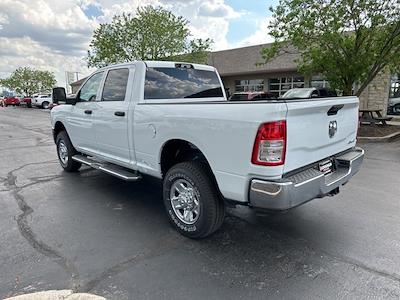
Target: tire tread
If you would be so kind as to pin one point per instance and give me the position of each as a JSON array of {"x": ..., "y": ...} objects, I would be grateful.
[{"x": 205, "y": 183}]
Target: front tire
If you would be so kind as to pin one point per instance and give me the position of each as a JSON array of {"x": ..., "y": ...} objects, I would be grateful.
[
  {"x": 65, "y": 151},
  {"x": 192, "y": 200},
  {"x": 45, "y": 105}
]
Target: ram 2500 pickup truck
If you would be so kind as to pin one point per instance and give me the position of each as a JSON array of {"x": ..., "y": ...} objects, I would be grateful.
[{"x": 172, "y": 121}]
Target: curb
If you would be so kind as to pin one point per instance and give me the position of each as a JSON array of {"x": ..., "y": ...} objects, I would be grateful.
[
  {"x": 380, "y": 139},
  {"x": 57, "y": 295}
]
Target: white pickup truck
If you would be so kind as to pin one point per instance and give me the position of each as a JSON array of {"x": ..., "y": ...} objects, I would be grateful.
[
  {"x": 42, "y": 100},
  {"x": 173, "y": 121}
]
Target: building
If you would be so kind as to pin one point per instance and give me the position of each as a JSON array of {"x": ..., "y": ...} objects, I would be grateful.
[
  {"x": 242, "y": 70},
  {"x": 76, "y": 85}
]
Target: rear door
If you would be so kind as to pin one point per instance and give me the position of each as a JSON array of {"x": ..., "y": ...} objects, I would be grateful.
[
  {"x": 319, "y": 128},
  {"x": 111, "y": 119}
]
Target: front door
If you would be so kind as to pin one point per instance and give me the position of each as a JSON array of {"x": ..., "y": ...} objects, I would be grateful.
[
  {"x": 80, "y": 120},
  {"x": 112, "y": 116}
]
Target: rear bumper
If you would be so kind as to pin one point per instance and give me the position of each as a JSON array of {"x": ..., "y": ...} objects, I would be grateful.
[{"x": 305, "y": 185}]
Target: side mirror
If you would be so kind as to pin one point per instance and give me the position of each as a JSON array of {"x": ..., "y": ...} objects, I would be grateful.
[
  {"x": 59, "y": 95},
  {"x": 72, "y": 99}
]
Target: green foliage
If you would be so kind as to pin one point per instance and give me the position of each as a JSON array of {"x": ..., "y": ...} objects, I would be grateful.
[
  {"x": 152, "y": 34},
  {"x": 25, "y": 80},
  {"x": 197, "y": 51},
  {"x": 347, "y": 41}
]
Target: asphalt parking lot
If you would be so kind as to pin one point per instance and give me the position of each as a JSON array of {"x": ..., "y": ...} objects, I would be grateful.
[{"x": 91, "y": 232}]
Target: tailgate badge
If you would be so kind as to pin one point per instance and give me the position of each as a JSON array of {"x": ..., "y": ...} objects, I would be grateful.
[{"x": 332, "y": 128}]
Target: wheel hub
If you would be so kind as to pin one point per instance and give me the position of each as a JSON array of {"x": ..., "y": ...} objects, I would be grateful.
[
  {"x": 63, "y": 152},
  {"x": 184, "y": 201}
]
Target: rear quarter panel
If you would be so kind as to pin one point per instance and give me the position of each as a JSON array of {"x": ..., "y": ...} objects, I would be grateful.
[{"x": 224, "y": 132}]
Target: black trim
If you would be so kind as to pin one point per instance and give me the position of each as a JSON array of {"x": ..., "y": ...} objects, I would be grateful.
[
  {"x": 334, "y": 109},
  {"x": 274, "y": 101},
  {"x": 212, "y": 102},
  {"x": 119, "y": 113}
]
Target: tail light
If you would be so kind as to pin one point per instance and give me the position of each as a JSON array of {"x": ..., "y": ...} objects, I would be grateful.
[{"x": 270, "y": 144}]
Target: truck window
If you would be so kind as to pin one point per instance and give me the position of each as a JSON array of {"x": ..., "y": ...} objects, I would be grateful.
[
  {"x": 177, "y": 83},
  {"x": 115, "y": 85},
  {"x": 89, "y": 90}
]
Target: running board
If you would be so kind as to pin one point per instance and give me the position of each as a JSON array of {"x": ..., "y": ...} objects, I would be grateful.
[{"x": 117, "y": 171}]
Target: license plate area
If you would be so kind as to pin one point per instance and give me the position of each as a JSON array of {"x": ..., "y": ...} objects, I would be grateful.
[{"x": 326, "y": 166}]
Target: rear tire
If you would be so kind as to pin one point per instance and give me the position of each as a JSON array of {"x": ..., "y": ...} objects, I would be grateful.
[
  {"x": 192, "y": 200},
  {"x": 65, "y": 151},
  {"x": 45, "y": 105}
]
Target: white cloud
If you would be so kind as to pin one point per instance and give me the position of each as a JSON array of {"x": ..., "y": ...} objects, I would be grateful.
[
  {"x": 61, "y": 26},
  {"x": 17, "y": 52},
  {"x": 55, "y": 35},
  {"x": 217, "y": 9},
  {"x": 260, "y": 36}
]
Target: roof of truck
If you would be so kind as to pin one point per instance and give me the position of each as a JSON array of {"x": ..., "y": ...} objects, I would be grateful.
[
  {"x": 151, "y": 64},
  {"x": 161, "y": 64}
]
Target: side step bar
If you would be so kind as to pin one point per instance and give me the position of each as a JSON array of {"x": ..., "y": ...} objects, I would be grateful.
[{"x": 108, "y": 168}]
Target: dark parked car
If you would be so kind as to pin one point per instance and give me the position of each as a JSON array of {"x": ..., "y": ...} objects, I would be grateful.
[
  {"x": 394, "y": 106},
  {"x": 305, "y": 93},
  {"x": 252, "y": 96}
]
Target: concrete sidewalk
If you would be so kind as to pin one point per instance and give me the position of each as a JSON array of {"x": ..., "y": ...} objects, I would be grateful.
[{"x": 57, "y": 295}]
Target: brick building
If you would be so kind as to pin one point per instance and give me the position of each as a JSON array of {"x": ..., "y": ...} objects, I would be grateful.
[{"x": 240, "y": 72}]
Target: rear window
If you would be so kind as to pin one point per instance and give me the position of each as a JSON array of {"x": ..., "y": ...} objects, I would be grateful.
[{"x": 175, "y": 83}]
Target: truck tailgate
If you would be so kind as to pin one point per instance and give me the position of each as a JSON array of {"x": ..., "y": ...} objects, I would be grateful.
[{"x": 309, "y": 138}]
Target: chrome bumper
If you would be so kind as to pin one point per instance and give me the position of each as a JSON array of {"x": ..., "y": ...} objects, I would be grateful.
[{"x": 305, "y": 185}]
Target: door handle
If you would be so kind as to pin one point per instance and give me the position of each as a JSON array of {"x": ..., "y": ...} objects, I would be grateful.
[
  {"x": 88, "y": 112},
  {"x": 119, "y": 113}
]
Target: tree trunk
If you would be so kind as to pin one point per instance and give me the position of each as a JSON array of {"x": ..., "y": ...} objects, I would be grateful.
[{"x": 348, "y": 90}]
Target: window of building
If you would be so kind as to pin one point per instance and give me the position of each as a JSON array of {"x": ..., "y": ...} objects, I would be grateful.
[
  {"x": 319, "y": 82},
  {"x": 279, "y": 86},
  {"x": 115, "y": 85},
  {"x": 177, "y": 83},
  {"x": 249, "y": 85}
]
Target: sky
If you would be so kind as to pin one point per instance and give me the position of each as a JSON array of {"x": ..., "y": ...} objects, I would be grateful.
[{"x": 55, "y": 35}]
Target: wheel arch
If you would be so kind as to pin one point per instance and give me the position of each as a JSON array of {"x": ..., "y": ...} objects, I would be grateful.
[
  {"x": 175, "y": 151},
  {"x": 58, "y": 127}
]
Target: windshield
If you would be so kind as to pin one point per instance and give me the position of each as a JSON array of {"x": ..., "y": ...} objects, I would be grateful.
[{"x": 298, "y": 93}]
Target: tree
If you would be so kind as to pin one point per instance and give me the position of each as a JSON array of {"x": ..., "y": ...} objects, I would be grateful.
[
  {"x": 152, "y": 34},
  {"x": 196, "y": 51},
  {"x": 25, "y": 80},
  {"x": 347, "y": 41}
]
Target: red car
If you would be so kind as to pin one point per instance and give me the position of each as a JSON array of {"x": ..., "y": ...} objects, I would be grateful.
[{"x": 11, "y": 101}]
